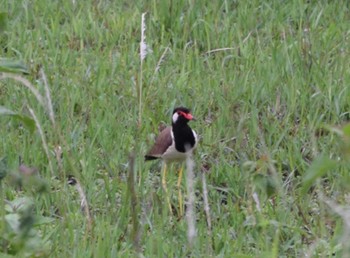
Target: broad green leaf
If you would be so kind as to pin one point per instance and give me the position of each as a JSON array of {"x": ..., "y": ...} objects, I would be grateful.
[
  {"x": 13, "y": 221},
  {"x": 317, "y": 169},
  {"x": 13, "y": 66},
  {"x": 26, "y": 120},
  {"x": 21, "y": 204}
]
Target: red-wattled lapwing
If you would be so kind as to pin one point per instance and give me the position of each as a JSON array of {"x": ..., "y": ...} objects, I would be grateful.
[{"x": 174, "y": 144}]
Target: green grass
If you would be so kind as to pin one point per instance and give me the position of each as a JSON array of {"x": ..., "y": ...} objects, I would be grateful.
[{"x": 263, "y": 107}]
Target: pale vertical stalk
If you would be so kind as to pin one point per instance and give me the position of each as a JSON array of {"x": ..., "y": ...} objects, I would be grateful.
[
  {"x": 143, "y": 53},
  {"x": 84, "y": 206},
  {"x": 206, "y": 202},
  {"x": 207, "y": 210},
  {"x": 257, "y": 202},
  {"x": 48, "y": 97},
  {"x": 43, "y": 140},
  {"x": 190, "y": 212},
  {"x": 140, "y": 97}
]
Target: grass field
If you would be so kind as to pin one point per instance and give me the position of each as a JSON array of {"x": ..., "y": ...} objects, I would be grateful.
[{"x": 267, "y": 81}]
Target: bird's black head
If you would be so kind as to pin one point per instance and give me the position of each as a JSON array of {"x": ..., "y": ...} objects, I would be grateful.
[{"x": 182, "y": 115}]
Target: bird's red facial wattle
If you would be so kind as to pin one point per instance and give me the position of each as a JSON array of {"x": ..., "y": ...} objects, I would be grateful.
[{"x": 188, "y": 116}]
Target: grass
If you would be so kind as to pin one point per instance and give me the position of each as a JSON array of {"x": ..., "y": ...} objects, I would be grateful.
[{"x": 271, "y": 109}]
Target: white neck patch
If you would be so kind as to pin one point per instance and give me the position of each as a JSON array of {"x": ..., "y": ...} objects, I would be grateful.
[{"x": 175, "y": 117}]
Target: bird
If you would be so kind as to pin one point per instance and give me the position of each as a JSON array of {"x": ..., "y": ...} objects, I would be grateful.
[{"x": 175, "y": 143}]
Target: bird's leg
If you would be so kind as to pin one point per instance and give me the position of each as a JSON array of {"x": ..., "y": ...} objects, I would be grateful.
[
  {"x": 179, "y": 189},
  {"x": 165, "y": 188}
]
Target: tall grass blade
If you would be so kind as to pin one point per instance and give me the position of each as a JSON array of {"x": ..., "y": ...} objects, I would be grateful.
[
  {"x": 190, "y": 211},
  {"x": 135, "y": 236},
  {"x": 207, "y": 209}
]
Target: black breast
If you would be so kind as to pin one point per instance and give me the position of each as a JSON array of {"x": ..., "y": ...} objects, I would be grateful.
[{"x": 184, "y": 137}]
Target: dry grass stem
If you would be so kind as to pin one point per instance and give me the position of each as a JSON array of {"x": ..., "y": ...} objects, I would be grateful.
[
  {"x": 219, "y": 50},
  {"x": 26, "y": 83},
  {"x": 143, "y": 52},
  {"x": 84, "y": 204},
  {"x": 143, "y": 46},
  {"x": 43, "y": 140},
  {"x": 48, "y": 97},
  {"x": 161, "y": 60},
  {"x": 206, "y": 205},
  {"x": 256, "y": 200}
]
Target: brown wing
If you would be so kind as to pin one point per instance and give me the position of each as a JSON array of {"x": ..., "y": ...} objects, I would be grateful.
[{"x": 162, "y": 143}]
